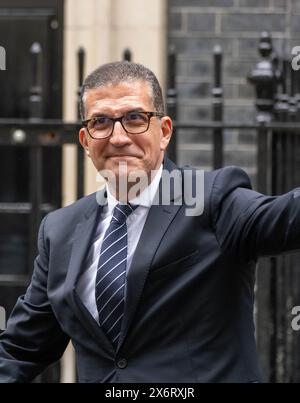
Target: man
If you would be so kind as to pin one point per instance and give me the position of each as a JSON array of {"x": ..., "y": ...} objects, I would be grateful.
[{"x": 146, "y": 291}]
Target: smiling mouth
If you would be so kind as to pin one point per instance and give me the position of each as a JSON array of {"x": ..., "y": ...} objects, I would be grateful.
[{"x": 122, "y": 156}]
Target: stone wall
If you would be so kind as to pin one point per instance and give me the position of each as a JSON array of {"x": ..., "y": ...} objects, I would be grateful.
[{"x": 195, "y": 26}]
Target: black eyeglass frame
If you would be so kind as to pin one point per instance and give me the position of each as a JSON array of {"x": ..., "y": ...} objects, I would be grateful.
[{"x": 120, "y": 119}]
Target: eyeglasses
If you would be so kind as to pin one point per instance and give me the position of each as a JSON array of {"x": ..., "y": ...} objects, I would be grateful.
[{"x": 101, "y": 127}]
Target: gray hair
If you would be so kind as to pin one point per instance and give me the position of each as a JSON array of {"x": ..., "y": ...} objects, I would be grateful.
[{"x": 117, "y": 72}]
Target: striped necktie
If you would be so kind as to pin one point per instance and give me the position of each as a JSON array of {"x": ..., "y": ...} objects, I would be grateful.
[{"x": 111, "y": 273}]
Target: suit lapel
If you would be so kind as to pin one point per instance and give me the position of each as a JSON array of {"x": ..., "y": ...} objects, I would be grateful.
[
  {"x": 82, "y": 238},
  {"x": 82, "y": 241},
  {"x": 158, "y": 220}
]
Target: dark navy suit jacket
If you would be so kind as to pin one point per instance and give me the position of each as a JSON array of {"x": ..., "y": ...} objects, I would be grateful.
[{"x": 189, "y": 294}]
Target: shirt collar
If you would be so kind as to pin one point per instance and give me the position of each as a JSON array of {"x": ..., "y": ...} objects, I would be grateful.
[{"x": 144, "y": 199}]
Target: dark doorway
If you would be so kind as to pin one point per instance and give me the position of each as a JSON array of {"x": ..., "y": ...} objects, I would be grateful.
[{"x": 23, "y": 23}]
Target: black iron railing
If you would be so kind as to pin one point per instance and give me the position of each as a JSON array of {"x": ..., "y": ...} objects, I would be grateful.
[{"x": 277, "y": 128}]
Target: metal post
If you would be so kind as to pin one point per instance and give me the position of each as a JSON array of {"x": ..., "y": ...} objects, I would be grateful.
[
  {"x": 295, "y": 93},
  {"x": 265, "y": 76},
  {"x": 217, "y": 105},
  {"x": 80, "y": 151},
  {"x": 282, "y": 161},
  {"x": 36, "y": 198},
  {"x": 36, "y": 112},
  {"x": 172, "y": 100},
  {"x": 80, "y": 60},
  {"x": 36, "y": 107},
  {"x": 127, "y": 55}
]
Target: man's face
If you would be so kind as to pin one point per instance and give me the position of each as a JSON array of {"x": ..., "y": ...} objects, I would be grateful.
[{"x": 143, "y": 151}]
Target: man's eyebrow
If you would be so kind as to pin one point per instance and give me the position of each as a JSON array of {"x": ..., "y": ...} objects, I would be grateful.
[{"x": 137, "y": 109}]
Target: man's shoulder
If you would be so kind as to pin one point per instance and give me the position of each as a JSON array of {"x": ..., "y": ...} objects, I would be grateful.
[
  {"x": 230, "y": 176},
  {"x": 224, "y": 174},
  {"x": 73, "y": 212}
]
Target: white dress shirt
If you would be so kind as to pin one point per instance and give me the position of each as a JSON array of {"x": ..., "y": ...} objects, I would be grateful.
[{"x": 135, "y": 224}]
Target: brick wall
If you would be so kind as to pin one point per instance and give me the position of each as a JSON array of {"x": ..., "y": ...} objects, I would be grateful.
[{"x": 195, "y": 26}]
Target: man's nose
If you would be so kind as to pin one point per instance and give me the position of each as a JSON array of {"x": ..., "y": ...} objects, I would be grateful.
[{"x": 119, "y": 135}]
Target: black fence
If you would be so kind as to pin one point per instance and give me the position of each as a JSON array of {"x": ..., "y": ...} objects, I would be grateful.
[
  {"x": 277, "y": 130},
  {"x": 36, "y": 159},
  {"x": 277, "y": 127},
  {"x": 37, "y": 134}
]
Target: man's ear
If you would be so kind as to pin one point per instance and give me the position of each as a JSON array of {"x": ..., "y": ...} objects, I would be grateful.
[
  {"x": 83, "y": 140},
  {"x": 167, "y": 130}
]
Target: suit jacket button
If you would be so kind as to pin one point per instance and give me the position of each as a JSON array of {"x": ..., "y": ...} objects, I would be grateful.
[{"x": 122, "y": 363}]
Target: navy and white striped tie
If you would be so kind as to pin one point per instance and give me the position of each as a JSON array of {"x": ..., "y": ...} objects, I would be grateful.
[{"x": 111, "y": 273}]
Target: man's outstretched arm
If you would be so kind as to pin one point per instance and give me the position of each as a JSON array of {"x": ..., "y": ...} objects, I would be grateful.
[
  {"x": 249, "y": 224},
  {"x": 33, "y": 338}
]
